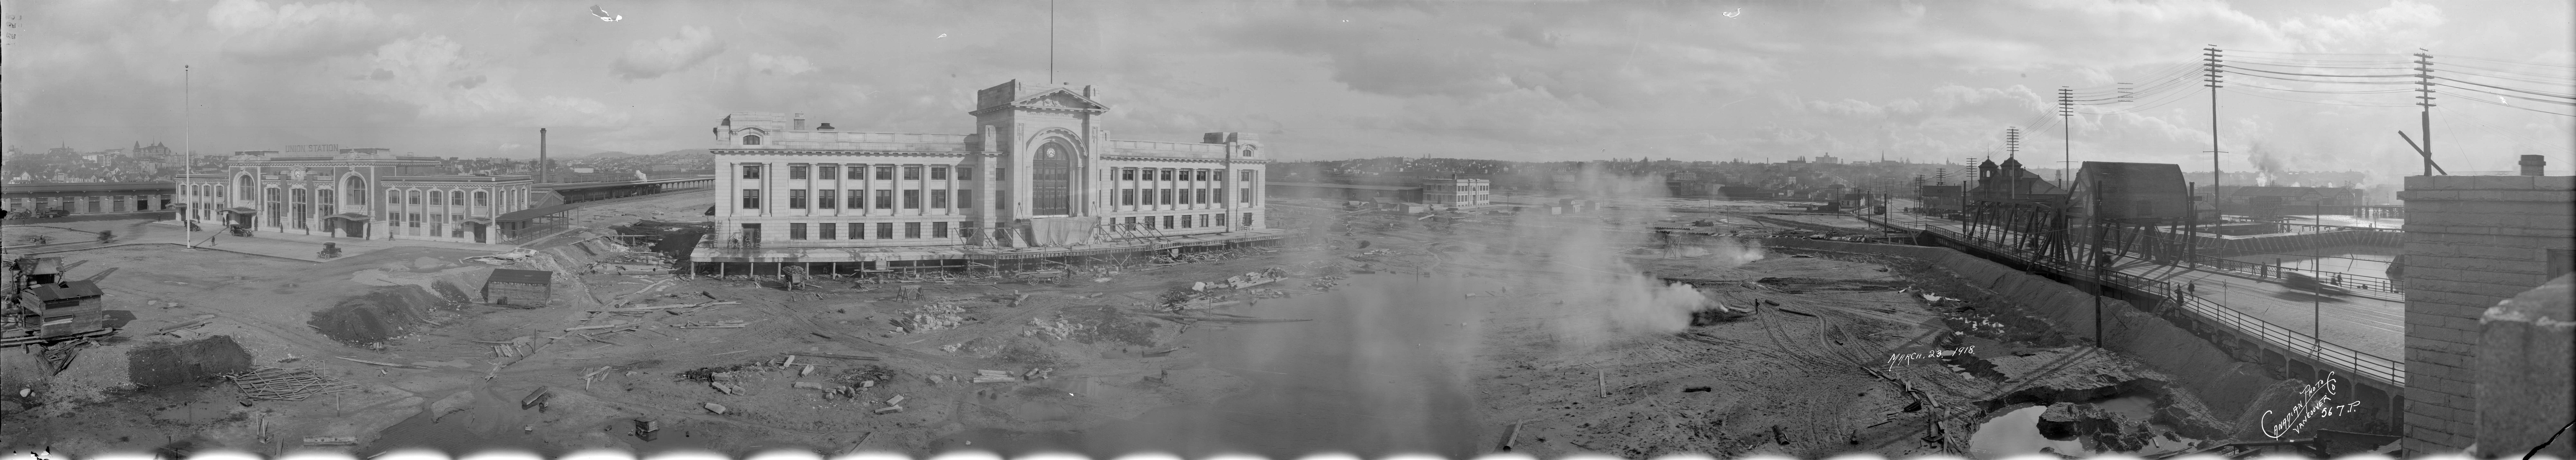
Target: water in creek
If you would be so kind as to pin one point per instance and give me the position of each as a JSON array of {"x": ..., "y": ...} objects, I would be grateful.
[
  {"x": 2352, "y": 260},
  {"x": 1380, "y": 370}
]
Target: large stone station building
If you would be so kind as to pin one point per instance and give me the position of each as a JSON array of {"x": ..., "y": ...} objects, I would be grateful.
[{"x": 1039, "y": 179}]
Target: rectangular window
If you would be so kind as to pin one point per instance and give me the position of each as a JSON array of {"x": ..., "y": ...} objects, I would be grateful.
[
  {"x": 965, "y": 198},
  {"x": 1201, "y": 195},
  {"x": 939, "y": 199},
  {"x": 938, "y": 229},
  {"x": 911, "y": 229},
  {"x": 1127, "y": 174},
  {"x": 885, "y": 173},
  {"x": 796, "y": 231},
  {"x": 751, "y": 198},
  {"x": 1167, "y": 221},
  {"x": 415, "y": 220},
  {"x": 828, "y": 230},
  {"x": 858, "y": 172},
  {"x": 825, "y": 199},
  {"x": 1220, "y": 220},
  {"x": 1167, "y": 197},
  {"x": 1245, "y": 196},
  {"x": 1247, "y": 175},
  {"x": 1185, "y": 221},
  {"x": 1167, "y": 174},
  {"x": 751, "y": 171},
  {"x": 1220, "y": 196},
  {"x": 965, "y": 173},
  {"x": 1127, "y": 196},
  {"x": 965, "y": 229},
  {"x": 885, "y": 199},
  {"x": 827, "y": 171},
  {"x": 1131, "y": 224},
  {"x": 751, "y": 233},
  {"x": 1202, "y": 174},
  {"x": 1001, "y": 173},
  {"x": 796, "y": 171},
  {"x": 912, "y": 199},
  {"x": 858, "y": 199},
  {"x": 912, "y": 173},
  {"x": 939, "y": 173},
  {"x": 2561, "y": 261},
  {"x": 795, "y": 199},
  {"x": 885, "y": 230},
  {"x": 1247, "y": 219},
  {"x": 1001, "y": 199}
]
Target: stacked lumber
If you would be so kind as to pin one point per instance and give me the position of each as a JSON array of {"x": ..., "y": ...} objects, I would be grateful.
[{"x": 286, "y": 384}]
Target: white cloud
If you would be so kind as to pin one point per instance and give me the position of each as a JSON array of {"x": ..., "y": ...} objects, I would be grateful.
[
  {"x": 653, "y": 58},
  {"x": 256, "y": 31},
  {"x": 788, "y": 65}
]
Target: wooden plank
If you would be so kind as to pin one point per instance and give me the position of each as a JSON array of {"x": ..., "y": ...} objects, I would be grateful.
[{"x": 829, "y": 355}]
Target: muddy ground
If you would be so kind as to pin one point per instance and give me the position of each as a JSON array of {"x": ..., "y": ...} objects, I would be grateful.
[{"x": 1406, "y": 339}]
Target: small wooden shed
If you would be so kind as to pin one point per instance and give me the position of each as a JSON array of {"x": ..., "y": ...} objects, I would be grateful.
[{"x": 518, "y": 287}]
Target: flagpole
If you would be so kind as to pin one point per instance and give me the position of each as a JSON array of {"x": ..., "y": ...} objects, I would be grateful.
[{"x": 188, "y": 164}]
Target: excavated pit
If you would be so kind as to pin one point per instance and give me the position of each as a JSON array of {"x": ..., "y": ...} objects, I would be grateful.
[{"x": 385, "y": 313}]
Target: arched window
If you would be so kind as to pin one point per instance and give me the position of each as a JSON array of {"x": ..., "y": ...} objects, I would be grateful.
[
  {"x": 415, "y": 197},
  {"x": 358, "y": 196},
  {"x": 393, "y": 196},
  {"x": 480, "y": 200},
  {"x": 301, "y": 199},
  {"x": 437, "y": 198},
  {"x": 752, "y": 139},
  {"x": 243, "y": 188}
]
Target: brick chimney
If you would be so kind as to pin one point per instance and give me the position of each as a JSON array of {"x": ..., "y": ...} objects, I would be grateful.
[{"x": 2531, "y": 164}]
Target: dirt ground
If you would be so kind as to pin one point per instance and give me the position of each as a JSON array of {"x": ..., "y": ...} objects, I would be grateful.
[{"x": 1809, "y": 373}]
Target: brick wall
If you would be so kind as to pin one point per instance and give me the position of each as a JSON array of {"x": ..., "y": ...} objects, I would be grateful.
[{"x": 2471, "y": 241}]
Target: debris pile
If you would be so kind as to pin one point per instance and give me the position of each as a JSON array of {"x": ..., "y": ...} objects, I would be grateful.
[
  {"x": 932, "y": 317},
  {"x": 284, "y": 384},
  {"x": 506, "y": 258},
  {"x": 1058, "y": 328}
]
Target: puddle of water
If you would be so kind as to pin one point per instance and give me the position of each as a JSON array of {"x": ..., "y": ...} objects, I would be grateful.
[{"x": 2016, "y": 433}]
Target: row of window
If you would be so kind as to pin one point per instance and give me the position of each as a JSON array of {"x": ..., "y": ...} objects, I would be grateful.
[
  {"x": 72, "y": 204},
  {"x": 1131, "y": 197},
  {"x": 392, "y": 196},
  {"x": 1178, "y": 174},
  {"x": 860, "y": 199},
  {"x": 913, "y": 230},
  {"x": 859, "y": 230},
  {"x": 860, "y": 172}
]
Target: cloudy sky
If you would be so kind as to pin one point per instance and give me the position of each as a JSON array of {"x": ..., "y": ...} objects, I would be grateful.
[{"x": 1693, "y": 80}]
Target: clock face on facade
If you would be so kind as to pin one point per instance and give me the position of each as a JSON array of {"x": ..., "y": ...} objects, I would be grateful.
[
  {"x": 1051, "y": 152},
  {"x": 296, "y": 173}
]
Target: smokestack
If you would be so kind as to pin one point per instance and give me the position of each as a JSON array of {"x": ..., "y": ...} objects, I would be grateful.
[
  {"x": 2531, "y": 164},
  {"x": 541, "y": 155},
  {"x": 800, "y": 122}
]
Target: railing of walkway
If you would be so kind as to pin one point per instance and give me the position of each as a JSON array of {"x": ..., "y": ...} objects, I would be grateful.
[
  {"x": 2202, "y": 261},
  {"x": 2370, "y": 366}
]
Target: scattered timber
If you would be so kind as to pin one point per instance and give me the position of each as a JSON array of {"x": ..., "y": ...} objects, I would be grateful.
[
  {"x": 405, "y": 366},
  {"x": 818, "y": 354},
  {"x": 1220, "y": 318}
]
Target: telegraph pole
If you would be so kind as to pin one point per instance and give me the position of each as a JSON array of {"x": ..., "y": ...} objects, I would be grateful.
[
  {"x": 2012, "y": 150},
  {"x": 2214, "y": 83},
  {"x": 2066, "y": 112},
  {"x": 2424, "y": 72}
]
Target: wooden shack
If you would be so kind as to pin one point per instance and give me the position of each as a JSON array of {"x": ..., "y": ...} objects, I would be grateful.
[
  {"x": 66, "y": 308},
  {"x": 519, "y": 287}
]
